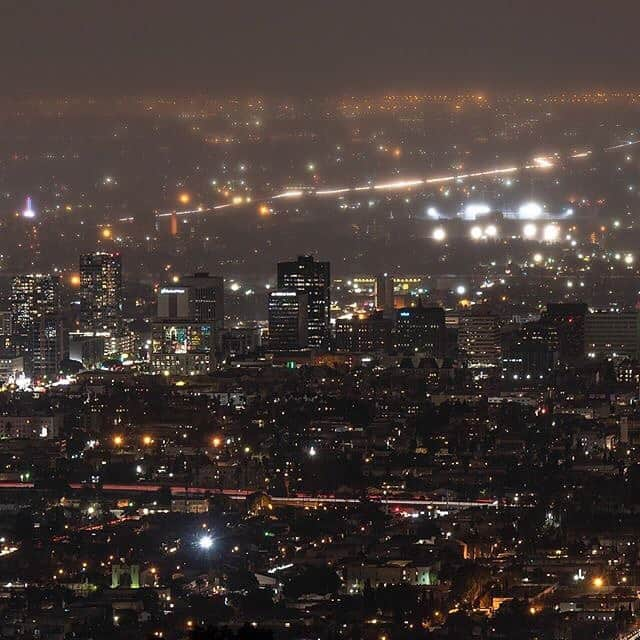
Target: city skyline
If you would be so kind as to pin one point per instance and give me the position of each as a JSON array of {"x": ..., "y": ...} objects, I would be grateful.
[{"x": 319, "y": 321}]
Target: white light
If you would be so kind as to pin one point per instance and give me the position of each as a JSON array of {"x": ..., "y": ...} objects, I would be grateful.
[
  {"x": 476, "y": 233},
  {"x": 491, "y": 231},
  {"x": 530, "y": 210},
  {"x": 28, "y": 210},
  {"x": 529, "y": 230},
  {"x": 551, "y": 233},
  {"x": 628, "y": 259},
  {"x": 537, "y": 258},
  {"x": 439, "y": 234},
  {"x": 205, "y": 542},
  {"x": 461, "y": 290},
  {"x": 235, "y": 287},
  {"x": 471, "y": 211},
  {"x": 312, "y": 451},
  {"x": 543, "y": 163},
  {"x": 432, "y": 212}
]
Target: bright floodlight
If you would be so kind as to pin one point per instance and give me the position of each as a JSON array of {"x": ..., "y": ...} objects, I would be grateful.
[
  {"x": 461, "y": 290},
  {"x": 529, "y": 230},
  {"x": 432, "y": 212},
  {"x": 205, "y": 542},
  {"x": 628, "y": 259},
  {"x": 476, "y": 233},
  {"x": 491, "y": 231},
  {"x": 551, "y": 233},
  {"x": 530, "y": 210},
  {"x": 439, "y": 234},
  {"x": 473, "y": 210}
]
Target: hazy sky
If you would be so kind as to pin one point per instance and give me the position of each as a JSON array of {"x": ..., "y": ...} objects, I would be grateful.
[{"x": 315, "y": 45}]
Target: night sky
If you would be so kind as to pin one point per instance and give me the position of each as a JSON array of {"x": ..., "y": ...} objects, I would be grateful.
[{"x": 315, "y": 46}]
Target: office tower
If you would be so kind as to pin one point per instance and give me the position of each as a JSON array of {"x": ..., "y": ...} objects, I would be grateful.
[
  {"x": 312, "y": 278},
  {"x": 384, "y": 294},
  {"x": 364, "y": 334},
  {"x": 199, "y": 297},
  {"x": 568, "y": 318},
  {"x": 240, "y": 341},
  {"x": 182, "y": 347},
  {"x": 33, "y": 296},
  {"x": 420, "y": 329},
  {"x": 101, "y": 292},
  {"x": 5, "y": 325},
  {"x": 532, "y": 352},
  {"x": 48, "y": 346},
  {"x": 479, "y": 338},
  {"x": 288, "y": 320},
  {"x": 611, "y": 333}
]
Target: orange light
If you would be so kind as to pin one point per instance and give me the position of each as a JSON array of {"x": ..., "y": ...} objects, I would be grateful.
[
  {"x": 147, "y": 440},
  {"x": 184, "y": 198},
  {"x": 74, "y": 280},
  {"x": 216, "y": 442},
  {"x": 118, "y": 440},
  {"x": 106, "y": 233},
  {"x": 598, "y": 582},
  {"x": 263, "y": 210},
  {"x": 397, "y": 152}
]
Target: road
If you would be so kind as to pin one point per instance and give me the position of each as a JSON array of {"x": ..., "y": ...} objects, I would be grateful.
[{"x": 294, "y": 500}]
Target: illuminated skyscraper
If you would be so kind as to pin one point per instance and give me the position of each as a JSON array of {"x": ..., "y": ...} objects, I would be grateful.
[
  {"x": 199, "y": 297},
  {"x": 479, "y": 338},
  {"x": 48, "y": 346},
  {"x": 314, "y": 279},
  {"x": 384, "y": 295},
  {"x": 288, "y": 320},
  {"x": 420, "y": 329},
  {"x": 36, "y": 326},
  {"x": 182, "y": 347},
  {"x": 33, "y": 295},
  {"x": 101, "y": 291}
]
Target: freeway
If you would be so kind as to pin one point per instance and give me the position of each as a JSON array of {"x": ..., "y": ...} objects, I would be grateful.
[
  {"x": 537, "y": 163},
  {"x": 301, "y": 500}
]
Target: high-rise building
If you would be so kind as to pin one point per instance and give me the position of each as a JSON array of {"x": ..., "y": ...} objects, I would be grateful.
[
  {"x": 48, "y": 346},
  {"x": 568, "y": 318},
  {"x": 33, "y": 295},
  {"x": 384, "y": 294},
  {"x": 364, "y": 334},
  {"x": 6, "y": 330},
  {"x": 36, "y": 327},
  {"x": 479, "y": 338},
  {"x": 288, "y": 320},
  {"x": 101, "y": 292},
  {"x": 312, "y": 278},
  {"x": 612, "y": 332},
  {"x": 420, "y": 329},
  {"x": 182, "y": 347},
  {"x": 199, "y": 297},
  {"x": 532, "y": 352}
]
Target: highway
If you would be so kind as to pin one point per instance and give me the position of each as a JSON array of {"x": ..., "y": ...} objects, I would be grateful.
[
  {"x": 294, "y": 500},
  {"x": 537, "y": 163}
]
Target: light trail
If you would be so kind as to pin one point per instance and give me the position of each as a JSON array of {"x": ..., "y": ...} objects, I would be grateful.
[
  {"x": 623, "y": 145},
  {"x": 295, "y": 500},
  {"x": 539, "y": 163}
]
